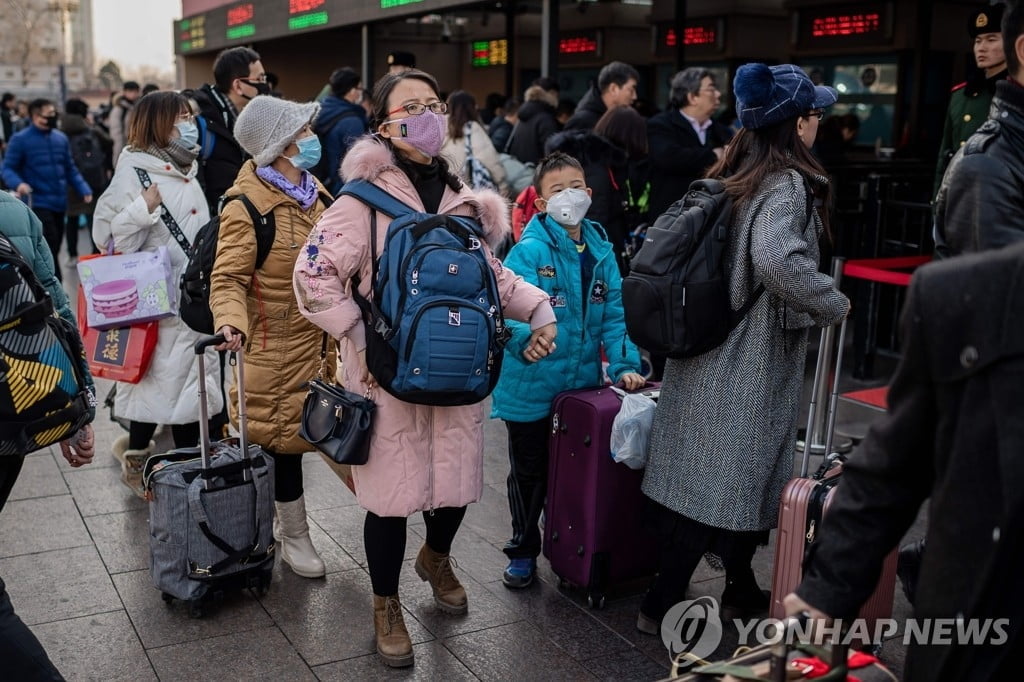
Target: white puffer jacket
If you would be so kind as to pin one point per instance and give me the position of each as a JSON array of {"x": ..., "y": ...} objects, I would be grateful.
[{"x": 168, "y": 392}]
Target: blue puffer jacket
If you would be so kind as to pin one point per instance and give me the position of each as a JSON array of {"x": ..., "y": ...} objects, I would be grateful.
[
  {"x": 344, "y": 122},
  {"x": 547, "y": 258},
  {"x": 23, "y": 229},
  {"x": 43, "y": 160}
]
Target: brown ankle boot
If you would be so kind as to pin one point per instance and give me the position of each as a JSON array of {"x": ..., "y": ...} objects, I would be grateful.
[
  {"x": 393, "y": 643},
  {"x": 436, "y": 568}
]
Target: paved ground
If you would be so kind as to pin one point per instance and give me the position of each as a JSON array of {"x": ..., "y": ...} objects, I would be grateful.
[{"x": 74, "y": 553}]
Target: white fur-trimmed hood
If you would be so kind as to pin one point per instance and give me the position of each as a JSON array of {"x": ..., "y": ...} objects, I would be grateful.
[{"x": 371, "y": 159}]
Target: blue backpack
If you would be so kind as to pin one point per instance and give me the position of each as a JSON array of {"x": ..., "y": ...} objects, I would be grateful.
[{"x": 435, "y": 330}]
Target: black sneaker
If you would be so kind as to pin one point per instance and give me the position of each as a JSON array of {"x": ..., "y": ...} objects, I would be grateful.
[
  {"x": 908, "y": 567},
  {"x": 743, "y": 597}
]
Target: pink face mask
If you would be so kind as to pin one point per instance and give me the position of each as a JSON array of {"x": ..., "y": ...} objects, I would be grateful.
[{"x": 425, "y": 132}]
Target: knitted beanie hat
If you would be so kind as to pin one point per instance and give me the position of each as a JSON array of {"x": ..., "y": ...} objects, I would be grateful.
[
  {"x": 766, "y": 95},
  {"x": 269, "y": 124}
]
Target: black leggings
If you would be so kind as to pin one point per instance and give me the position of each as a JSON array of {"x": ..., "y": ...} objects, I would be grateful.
[
  {"x": 184, "y": 435},
  {"x": 287, "y": 476},
  {"x": 384, "y": 539}
]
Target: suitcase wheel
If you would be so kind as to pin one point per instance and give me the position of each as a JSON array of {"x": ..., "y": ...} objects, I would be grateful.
[
  {"x": 195, "y": 609},
  {"x": 595, "y": 600},
  {"x": 168, "y": 598}
]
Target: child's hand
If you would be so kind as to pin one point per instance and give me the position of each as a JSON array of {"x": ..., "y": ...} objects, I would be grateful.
[
  {"x": 631, "y": 381},
  {"x": 541, "y": 344}
]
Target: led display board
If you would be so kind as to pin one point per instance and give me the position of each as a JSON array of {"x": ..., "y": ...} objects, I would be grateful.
[
  {"x": 586, "y": 43},
  {"x": 490, "y": 52},
  {"x": 861, "y": 25}
]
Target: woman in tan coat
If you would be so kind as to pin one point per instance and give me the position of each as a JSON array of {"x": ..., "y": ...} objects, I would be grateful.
[{"x": 254, "y": 305}]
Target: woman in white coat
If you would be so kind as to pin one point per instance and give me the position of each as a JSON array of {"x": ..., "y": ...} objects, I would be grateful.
[
  {"x": 162, "y": 142},
  {"x": 464, "y": 129}
]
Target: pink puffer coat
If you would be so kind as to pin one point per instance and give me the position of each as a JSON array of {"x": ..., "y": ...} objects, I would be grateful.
[{"x": 421, "y": 457}]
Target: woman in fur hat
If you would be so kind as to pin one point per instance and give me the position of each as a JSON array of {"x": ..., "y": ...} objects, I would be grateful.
[{"x": 725, "y": 428}]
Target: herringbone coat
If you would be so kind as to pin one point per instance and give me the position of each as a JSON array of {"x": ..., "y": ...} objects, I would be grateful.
[{"x": 725, "y": 427}]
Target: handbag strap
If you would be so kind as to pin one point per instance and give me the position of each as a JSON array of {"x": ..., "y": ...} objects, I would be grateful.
[
  {"x": 165, "y": 214},
  {"x": 323, "y": 356}
]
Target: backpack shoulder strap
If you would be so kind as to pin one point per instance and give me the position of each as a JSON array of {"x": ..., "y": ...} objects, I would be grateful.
[
  {"x": 376, "y": 198},
  {"x": 264, "y": 226},
  {"x": 206, "y": 139}
]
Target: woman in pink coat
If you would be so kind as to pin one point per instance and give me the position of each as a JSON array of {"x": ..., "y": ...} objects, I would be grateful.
[{"x": 422, "y": 458}]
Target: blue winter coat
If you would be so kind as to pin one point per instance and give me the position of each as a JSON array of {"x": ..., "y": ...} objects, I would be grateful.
[
  {"x": 43, "y": 160},
  {"x": 23, "y": 229},
  {"x": 351, "y": 125},
  {"x": 547, "y": 258}
]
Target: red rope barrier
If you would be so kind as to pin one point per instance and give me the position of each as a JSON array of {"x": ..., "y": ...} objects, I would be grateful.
[{"x": 884, "y": 270}]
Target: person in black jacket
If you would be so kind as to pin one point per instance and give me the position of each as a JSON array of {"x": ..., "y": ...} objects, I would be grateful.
[
  {"x": 610, "y": 156},
  {"x": 238, "y": 77},
  {"x": 953, "y": 434},
  {"x": 536, "y": 124},
  {"x": 615, "y": 87},
  {"x": 980, "y": 204},
  {"x": 683, "y": 140}
]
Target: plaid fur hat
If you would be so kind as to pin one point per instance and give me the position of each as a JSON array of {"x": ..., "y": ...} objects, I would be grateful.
[{"x": 766, "y": 95}]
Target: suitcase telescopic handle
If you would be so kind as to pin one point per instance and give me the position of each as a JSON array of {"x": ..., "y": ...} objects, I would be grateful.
[{"x": 205, "y": 440}]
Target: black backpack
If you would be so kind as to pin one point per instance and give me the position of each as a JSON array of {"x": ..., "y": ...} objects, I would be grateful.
[
  {"x": 195, "y": 281},
  {"x": 676, "y": 295},
  {"x": 43, "y": 397},
  {"x": 90, "y": 160}
]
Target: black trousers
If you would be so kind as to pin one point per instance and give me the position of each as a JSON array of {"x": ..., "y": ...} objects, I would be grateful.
[
  {"x": 527, "y": 485},
  {"x": 71, "y": 232},
  {"x": 184, "y": 435},
  {"x": 21, "y": 654},
  {"x": 287, "y": 476},
  {"x": 384, "y": 539},
  {"x": 53, "y": 233}
]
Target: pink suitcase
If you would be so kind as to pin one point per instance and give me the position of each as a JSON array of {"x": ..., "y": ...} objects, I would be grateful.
[
  {"x": 592, "y": 533},
  {"x": 805, "y": 501}
]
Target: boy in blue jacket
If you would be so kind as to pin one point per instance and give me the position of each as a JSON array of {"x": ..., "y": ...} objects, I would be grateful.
[{"x": 570, "y": 258}]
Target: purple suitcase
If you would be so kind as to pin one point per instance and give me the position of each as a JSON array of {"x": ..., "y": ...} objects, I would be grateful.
[{"x": 592, "y": 533}]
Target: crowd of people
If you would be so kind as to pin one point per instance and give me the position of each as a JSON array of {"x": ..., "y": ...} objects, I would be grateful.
[{"x": 716, "y": 466}]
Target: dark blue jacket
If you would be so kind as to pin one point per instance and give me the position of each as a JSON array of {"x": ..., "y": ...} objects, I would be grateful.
[
  {"x": 339, "y": 123},
  {"x": 43, "y": 160}
]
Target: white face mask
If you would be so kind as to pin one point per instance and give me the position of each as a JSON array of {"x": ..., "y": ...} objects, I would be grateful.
[{"x": 569, "y": 206}]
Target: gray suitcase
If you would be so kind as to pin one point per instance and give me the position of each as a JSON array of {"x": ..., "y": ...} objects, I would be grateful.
[{"x": 211, "y": 510}]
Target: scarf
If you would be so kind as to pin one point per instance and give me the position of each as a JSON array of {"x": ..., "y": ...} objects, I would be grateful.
[
  {"x": 304, "y": 193},
  {"x": 177, "y": 155}
]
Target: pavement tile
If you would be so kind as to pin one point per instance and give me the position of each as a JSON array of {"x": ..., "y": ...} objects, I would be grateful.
[
  {"x": 490, "y": 517},
  {"x": 160, "y": 624},
  {"x": 100, "y": 491},
  {"x": 485, "y": 609},
  {"x": 620, "y": 616},
  {"x": 433, "y": 662},
  {"x": 518, "y": 651},
  {"x": 64, "y": 583},
  {"x": 632, "y": 664},
  {"x": 261, "y": 654},
  {"x": 40, "y": 525},
  {"x": 122, "y": 539},
  {"x": 321, "y": 487},
  {"x": 101, "y": 647},
  {"x": 572, "y": 627},
  {"x": 330, "y": 619},
  {"x": 335, "y": 558},
  {"x": 39, "y": 477},
  {"x": 478, "y": 557},
  {"x": 345, "y": 526},
  {"x": 496, "y": 464}
]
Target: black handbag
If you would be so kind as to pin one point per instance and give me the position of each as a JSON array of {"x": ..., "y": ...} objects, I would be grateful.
[{"x": 337, "y": 422}]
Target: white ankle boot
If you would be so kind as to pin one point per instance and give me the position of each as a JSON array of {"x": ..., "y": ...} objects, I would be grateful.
[
  {"x": 131, "y": 463},
  {"x": 296, "y": 548}
]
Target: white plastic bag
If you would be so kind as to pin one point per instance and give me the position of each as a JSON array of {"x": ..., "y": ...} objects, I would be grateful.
[{"x": 631, "y": 430}]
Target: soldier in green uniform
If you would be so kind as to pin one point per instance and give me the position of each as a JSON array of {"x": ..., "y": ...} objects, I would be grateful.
[{"x": 969, "y": 103}]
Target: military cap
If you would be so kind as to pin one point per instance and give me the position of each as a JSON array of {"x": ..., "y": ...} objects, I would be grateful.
[
  {"x": 402, "y": 59},
  {"x": 987, "y": 20}
]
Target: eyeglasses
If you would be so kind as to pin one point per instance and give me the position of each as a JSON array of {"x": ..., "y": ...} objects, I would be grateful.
[
  {"x": 817, "y": 113},
  {"x": 186, "y": 118},
  {"x": 415, "y": 108},
  {"x": 250, "y": 81}
]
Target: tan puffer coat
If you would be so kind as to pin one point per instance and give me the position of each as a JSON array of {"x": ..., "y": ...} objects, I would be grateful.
[{"x": 282, "y": 347}]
